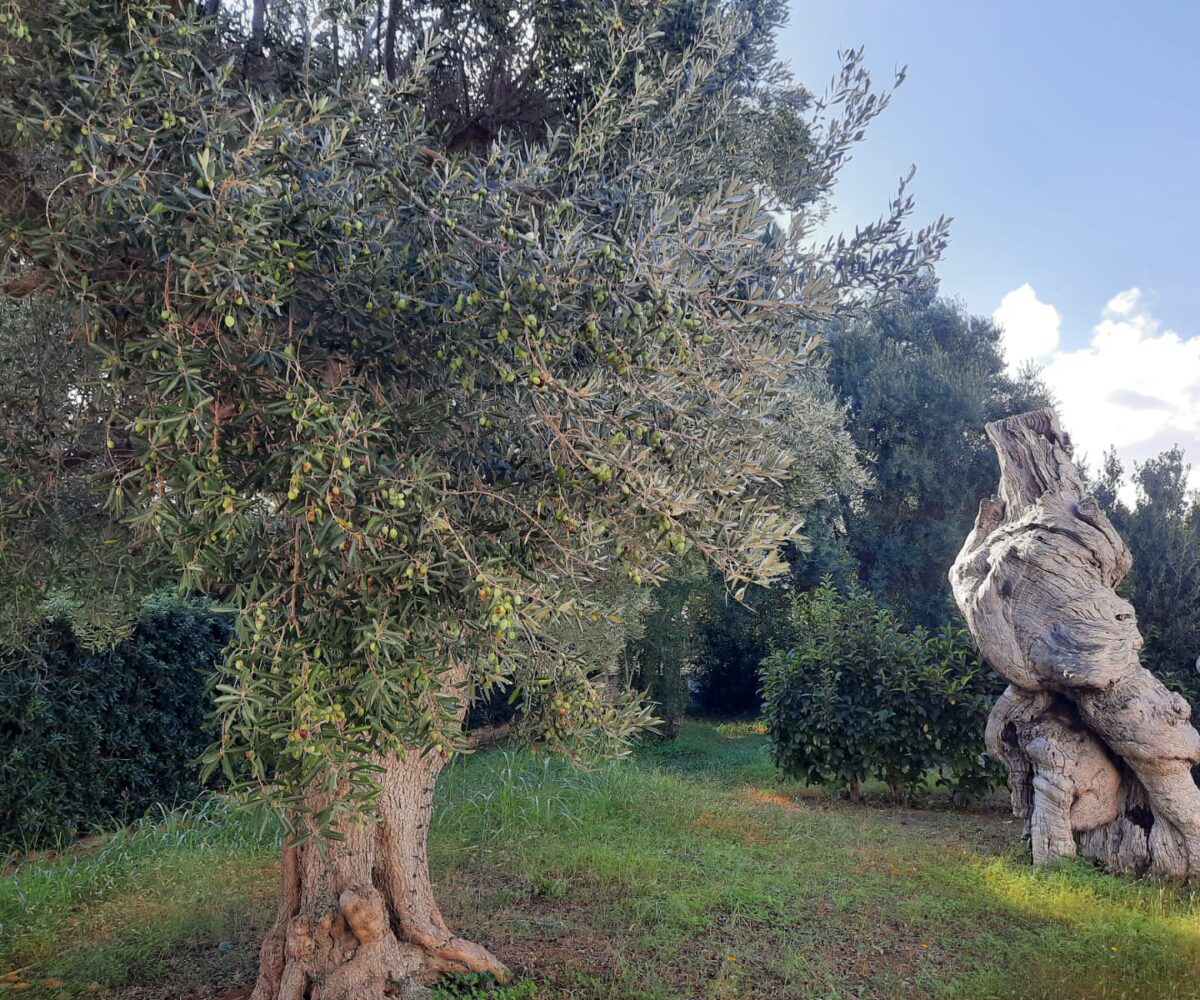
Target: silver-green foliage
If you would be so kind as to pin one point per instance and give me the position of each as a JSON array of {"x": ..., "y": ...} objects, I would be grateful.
[{"x": 400, "y": 405}]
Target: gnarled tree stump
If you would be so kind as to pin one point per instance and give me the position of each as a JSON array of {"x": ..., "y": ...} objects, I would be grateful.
[{"x": 1099, "y": 753}]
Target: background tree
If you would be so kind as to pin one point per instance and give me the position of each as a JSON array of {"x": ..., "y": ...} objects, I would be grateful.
[
  {"x": 400, "y": 404},
  {"x": 919, "y": 378},
  {"x": 53, "y": 443},
  {"x": 655, "y": 661},
  {"x": 731, "y": 638},
  {"x": 1162, "y": 530}
]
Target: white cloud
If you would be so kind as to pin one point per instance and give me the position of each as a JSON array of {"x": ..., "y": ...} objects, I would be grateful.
[
  {"x": 1123, "y": 303},
  {"x": 1134, "y": 386},
  {"x": 1031, "y": 327}
]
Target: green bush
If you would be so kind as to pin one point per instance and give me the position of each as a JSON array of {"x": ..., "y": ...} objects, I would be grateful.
[
  {"x": 858, "y": 695},
  {"x": 95, "y": 737}
]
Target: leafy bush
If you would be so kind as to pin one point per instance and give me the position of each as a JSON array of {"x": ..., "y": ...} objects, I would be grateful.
[
  {"x": 91, "y": 737},
  {"x": 858, "y": 695}
]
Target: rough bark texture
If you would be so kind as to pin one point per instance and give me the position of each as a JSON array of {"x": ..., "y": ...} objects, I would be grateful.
[
  {"x": 1099, "y": 753},
  {"x": 358, "y": 920}
]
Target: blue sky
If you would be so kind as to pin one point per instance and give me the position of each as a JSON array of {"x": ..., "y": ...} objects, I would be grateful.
[{"x": 1064, "y": 139}]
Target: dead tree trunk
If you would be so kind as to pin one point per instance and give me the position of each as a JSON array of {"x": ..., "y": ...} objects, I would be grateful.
[
  {"x": 1099, "y": 753},
  {"x": 358, "y": 920}
]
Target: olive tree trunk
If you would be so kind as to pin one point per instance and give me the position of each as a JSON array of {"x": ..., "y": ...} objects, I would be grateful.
[
  {"x": 1099, "y": 753},
  {"x": 358, "y": 920}
]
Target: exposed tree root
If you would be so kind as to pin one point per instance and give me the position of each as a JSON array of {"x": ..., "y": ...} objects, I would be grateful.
[{"x": 358, "y": 921}]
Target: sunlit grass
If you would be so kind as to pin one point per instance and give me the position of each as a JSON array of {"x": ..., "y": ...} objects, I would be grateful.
[{"x": 687, "y": 871}]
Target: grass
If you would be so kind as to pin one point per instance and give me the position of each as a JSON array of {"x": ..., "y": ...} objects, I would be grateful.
[
  {"x": 690, "y": 871},
  {"x": 163, "y": 900}
]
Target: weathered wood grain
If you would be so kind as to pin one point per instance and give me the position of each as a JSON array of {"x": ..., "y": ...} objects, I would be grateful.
[{"x": 1099, "y": 753}]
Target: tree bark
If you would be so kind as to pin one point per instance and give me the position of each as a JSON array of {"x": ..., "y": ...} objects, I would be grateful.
[
  {"x": 358, "y": 919},
  {"x": 1099, "y": 753},
  {"x": 258, "y": 27},
  {"x": 390, "y": 62}
]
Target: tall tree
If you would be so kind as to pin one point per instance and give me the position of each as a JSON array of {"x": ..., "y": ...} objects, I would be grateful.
[
  {"x": 1162, "y": 529},
  {"x": 53, "y": 443},
  {"x": 919, "y": 379},
  {"x": 400, "y": 398},
  {"x": 654, "y": 659}
]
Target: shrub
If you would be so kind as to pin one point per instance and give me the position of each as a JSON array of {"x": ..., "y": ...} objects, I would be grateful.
[
  {"x": 857, "y": 695},
  {"x": 94, "y": 737}
]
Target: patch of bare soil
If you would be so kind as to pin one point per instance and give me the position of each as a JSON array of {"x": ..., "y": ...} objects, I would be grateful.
[
  {"x": 559, "y": 930},
  {"x": 209, "y": 970}
]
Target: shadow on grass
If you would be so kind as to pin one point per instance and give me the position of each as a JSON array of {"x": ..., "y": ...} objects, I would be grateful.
[{"x": 689, "y": 871}]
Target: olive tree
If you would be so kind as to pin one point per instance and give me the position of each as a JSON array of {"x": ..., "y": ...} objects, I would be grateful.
[
  {"x": 399, "y": 393},
  {"x": 1099, "y": 753}
]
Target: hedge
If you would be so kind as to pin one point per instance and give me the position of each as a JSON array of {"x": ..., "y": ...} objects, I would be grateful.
[{"x": 92, "y": 738}]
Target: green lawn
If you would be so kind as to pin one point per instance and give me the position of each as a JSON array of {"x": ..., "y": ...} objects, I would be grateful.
[{"x": 690, "y": 871}]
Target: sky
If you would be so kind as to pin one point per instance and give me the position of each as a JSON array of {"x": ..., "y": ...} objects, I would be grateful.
[{"x": 1064, "y": 139}]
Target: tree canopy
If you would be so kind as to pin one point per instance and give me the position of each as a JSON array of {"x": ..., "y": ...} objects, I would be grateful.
[
  {"x": 397, "y": 402},
  {"x": 919, "y": 378}
]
